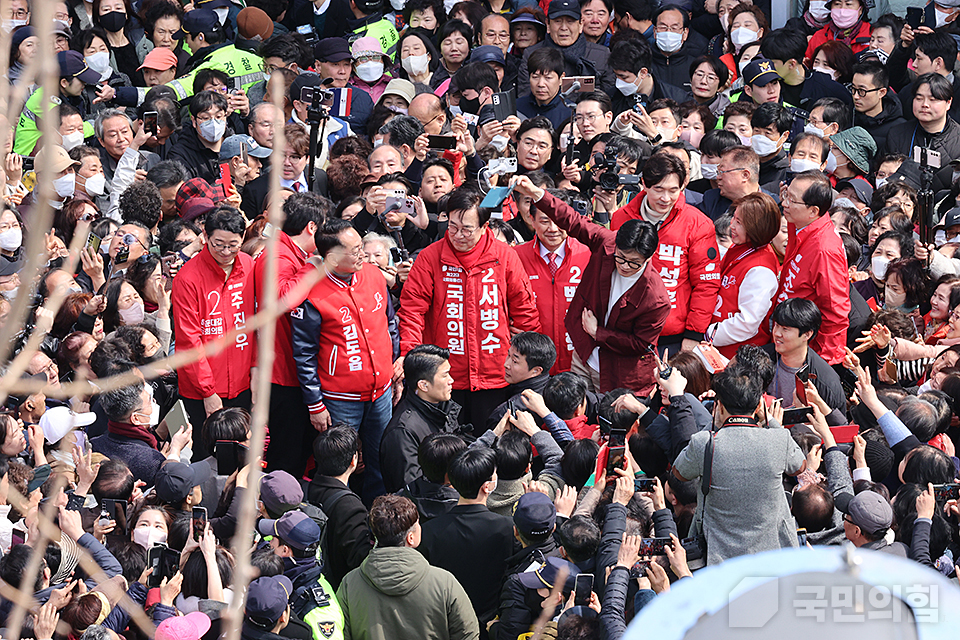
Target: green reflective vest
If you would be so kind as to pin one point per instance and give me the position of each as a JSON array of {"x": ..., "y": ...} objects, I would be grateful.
[
  {"x": 236, "y": 63},
  {"x": 28, "y": 126},
  {"x": 383, "y": 31},
  {"x": 325, "y": 620}
]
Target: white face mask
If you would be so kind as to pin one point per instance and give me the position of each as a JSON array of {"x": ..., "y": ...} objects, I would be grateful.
[
  {"x": 95, "y": 184},
  {"x": 222, "y": 13},
  {"x": 742, "y": 65},
  {"x": 708, "y": 171},
  {"x": 723, "y": 250},
  {"x": 939, "y": 238},
  {"x": 499, "y": 142},
  {"x": 10, "y": 25},
  {"x": 818, "y": 9},
  {"x": 744, "y": 140},
  {"x": 11, "y": 294},
  {"x": 397, "y": 4},
  {"x": 799, "y": 165},
  {"x": 72, "y": 140},
  {"x": 146, "y": 537},
  {"x": 99, "y": 61},
  {"x": 828, "y": 72},
  {"x": 941, "y": 17},
  {"x": 11, "y": 239},
  {"x": 881, "y": 182},
  {"x": 725, "y": 22},
  {"x": 742, "y": 36},
  {"x": 669, "y": 41},
  {"x": 813, "y": 130},
  {"x": 763, "y": 145},
  {"x": 66, "y": 185},
  {"x": 845, "y": 202},
  {"x": 416, "y": 65},
  {"x": 667, "y": 135},
  {"x": 448, "y": 5},
  {"x": 626, "y": 88},
  {"x": 878, "y": 264},
  {"x": 370, "y": 71},
  {"x": 132, "y": 315},
  {"x": 831, "y": 163}
]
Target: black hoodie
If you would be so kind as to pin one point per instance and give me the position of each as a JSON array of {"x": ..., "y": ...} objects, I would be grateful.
[{"x": 880, "y": 124}]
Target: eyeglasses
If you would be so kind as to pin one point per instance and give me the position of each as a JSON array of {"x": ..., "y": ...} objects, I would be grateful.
[
  {"x": 530, "y": 144},
  {"x": 88, "y": 217},
  {"x": 223, "y": 247},
  {"x": 587, "y": 117},
  {"x": 720, "y": 173},
  {"x": 955, "y": 315},
  {"x": 627, "y": 263},
  {"x": 861, "y": 93},
  {"x": 50, "y": 368},
  {"x": 465, "y": 232},
  {"x": 292, "y": 157},
  {"x": 709, "y": 77},
  {"x": 673, "y": 29},
  {"x": 502, "y": 36}
]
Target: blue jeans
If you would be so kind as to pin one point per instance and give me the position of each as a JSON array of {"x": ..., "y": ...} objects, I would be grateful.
[{"x": 370, "y": 419}]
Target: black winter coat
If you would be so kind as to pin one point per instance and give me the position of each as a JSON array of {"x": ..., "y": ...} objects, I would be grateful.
[{"x": 413, "y": 420}]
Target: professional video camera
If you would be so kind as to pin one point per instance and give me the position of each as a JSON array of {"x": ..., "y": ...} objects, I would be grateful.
[{"x": 606, "y": 173}]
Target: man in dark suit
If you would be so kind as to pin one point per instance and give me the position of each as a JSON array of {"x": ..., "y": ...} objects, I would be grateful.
[{"x": 470, "y": 541}]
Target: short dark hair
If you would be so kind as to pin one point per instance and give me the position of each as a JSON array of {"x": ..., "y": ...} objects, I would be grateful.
[
  {"x": 207, "y": 74},
  {"x": 666, "y": 103},
  {"x": 579, "y": 461},
  {"x": 771, "y": 113},
  {"x": 784, "y": 45},
  {"x": 328, "y": 234},
  {"x": 877, "y": 72},
  {"x": 753, "y": 358},
  {"x": 738, "y": 390},
  {"x": 390, "y": 518},
  {"x": 835, "y": 110},
  {"x": 514, "y": 454},
  {"x": 206, "y": 99},
  {"x": 639, "y": 236},
  {"x": 224, "y": 218},
  {"x": 580, "y": 538},
  {"x": 301, "y": 209},
  {"x": 546, "y": 59},
  {"x": 471, "y": 469},
  {"x": 564, "y": 393},
  {"x": 443, "y": 163},
  {"x": 716, "y": 65},
  {"x": 537, "y": 348},
  {"x": 334, "y": 449},
  {"x": 142, "y": 203},
  {"x": 799, "y": 313},
  {"x": 674, "y": 7},
  {"x": 167, "y": 174},
  {"x": 435, "y": 453},
  {"x": 536, "y": 122},
  {"x": 114, "y": 480},
  {"x": 606, "y": 105},
  {"x": 464, "y": 198},
  {"x": 228, "y": 423},
  {"x": 630, "y": 56},
  {"x": 403, "y": 130},
  {"x": 477, "y": 76},
  {"x": 659, "y": 166},
  {"x": 289, "y": 48},
  {"x": 940, "y": 87},
  {"x": 422, "y": 363},
  {"x": 716, "y": 141},
  {"x": 13, "y": 566},
  {"x": 120, "y": 404},
  {"x": 624, "y": 148},
  {"x": 938, "y": 45}
]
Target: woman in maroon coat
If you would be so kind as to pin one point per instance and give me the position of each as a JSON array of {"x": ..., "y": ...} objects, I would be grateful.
[{"x": 614, "y": 321}]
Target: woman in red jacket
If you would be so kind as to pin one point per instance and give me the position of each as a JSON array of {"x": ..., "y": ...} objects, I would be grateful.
[
  {"x": 848, "y": 24},
  {"x": 748, "y": 275}
]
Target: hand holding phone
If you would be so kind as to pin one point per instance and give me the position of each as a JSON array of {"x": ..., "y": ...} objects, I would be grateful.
[
  {"x": 583, "y": 588},
  {"x": 198, "y": 522}
]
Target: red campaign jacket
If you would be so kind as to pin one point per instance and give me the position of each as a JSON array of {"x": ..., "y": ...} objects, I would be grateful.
[
  {"x": 859, "y": 42},
  {"x": 735, "y": 269},
  {"x": 555, "y": 293},
  {"x": 341, "y": 339},
  {"x": 815, "y": 268},
  {"x": 635, "y": 321},
  {"x": 207, "y": 304},
  {"x": 468, "y": 311},
  {"x": 291, "y": 267},
  {"x": 688, "y": 261}
]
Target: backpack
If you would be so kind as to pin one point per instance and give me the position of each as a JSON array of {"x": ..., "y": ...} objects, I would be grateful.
[{"x": 321, "y": 515}]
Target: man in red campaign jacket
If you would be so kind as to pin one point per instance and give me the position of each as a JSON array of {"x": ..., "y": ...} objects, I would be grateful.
[
  {"x": 815, "y": 264},
  {"x": 213, "y": 294},
  {"x": 614, "y": 320},
  {"x": 687, "y": 258},
  {"x": 291, "y": 438},
  {"x": 555, "y": 264},
  {"x": 343, "y": 348},
  {"x": 468, "y": 293}
]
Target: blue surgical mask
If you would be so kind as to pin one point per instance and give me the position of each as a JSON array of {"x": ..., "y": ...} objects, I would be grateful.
[{"x": 213, "y": 129}]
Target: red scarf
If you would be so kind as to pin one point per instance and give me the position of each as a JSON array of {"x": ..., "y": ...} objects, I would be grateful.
[
  {"x": 132, "y": 431},
  {"x": 470, "y": 258}
]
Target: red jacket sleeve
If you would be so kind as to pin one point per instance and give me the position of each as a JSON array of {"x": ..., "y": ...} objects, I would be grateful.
[
  {"x": 704, "y": 274},
  {"x": 415, "y": 301},
  {"x": 629, "y": 211},
  {"x": 521, "y": 303},
  {"x": 186, "y": 303},
  {"x": 833, "y": 285},
  {"x": 643, "y": 335}
]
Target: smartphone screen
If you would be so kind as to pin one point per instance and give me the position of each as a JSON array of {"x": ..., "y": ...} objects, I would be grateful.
[
  {"x": 442, "y": 142},
  {"x": 582, "y": 590},
  {"x": 199, "y": 518},
  {"x": 150, "y": 122},
  {"x": 118, "y": 513},
  {"x": 155, "y": 562},
  {"x": 796, "y": 416},
  {"x": 614, "y": 460}
]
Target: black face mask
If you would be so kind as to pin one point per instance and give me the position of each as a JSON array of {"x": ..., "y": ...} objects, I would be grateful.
[
  {"x": 113, "y": 21},
  {"x": 470, "y": 105}
]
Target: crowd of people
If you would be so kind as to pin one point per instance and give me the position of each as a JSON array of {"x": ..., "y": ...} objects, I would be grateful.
[{"x": 569, "y": 300}]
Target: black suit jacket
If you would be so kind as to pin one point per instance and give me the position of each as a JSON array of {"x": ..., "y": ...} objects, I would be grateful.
[{"x": 474, "y": 544}]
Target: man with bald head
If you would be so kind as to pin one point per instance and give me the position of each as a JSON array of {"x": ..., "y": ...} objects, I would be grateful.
[
  {"x": 427, "y": 109},
  {"x": 495, "y": 30}
]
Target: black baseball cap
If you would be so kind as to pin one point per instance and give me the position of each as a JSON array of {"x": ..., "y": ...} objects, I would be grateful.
[
  {"x": 175, "y": 480},
  {"x": 72, "y": 65},
  {"x": 267, "y": 599},
  {"x": 294, "y": 528},
  {"x": 198, "y": 21},
  {"x": 535, "y": 514},
  {"x": 332, "y": 50},
  {"x": 560, "y": 8}
]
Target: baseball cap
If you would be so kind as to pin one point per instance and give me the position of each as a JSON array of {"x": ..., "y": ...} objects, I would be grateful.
[
  {"x": 760, "y": 71},
  {"x": 488, "y": 53},
  {"x": 253, "y": 23},
  {"x": 72, "y": 65},
  {"x": 159, "y": 59},
  {"x": 544, "y": 576},
  {"x": 195, "y": 188},
  {"x": 560, "y": 8},
  {"x": 61, "y": 28},
  {"x": 294, "y": 528},
  {"x": 366, "y": 46},
  {"x": 189, "y": 627},
  {"x": 20, "y": 34},
  {"x": 526, "y": 17},
  {"x": 175, "y": 480},
  {"x": 40, "y": 475},
  {"x": 402, "y": 88},
  {"x": 197, "y": 21},
  {"x": 950, "y": 218},
  {"x": 57, "y": 422},
  {"x": 8, "y": 268},
  {"x": 230, "y": 148},
  {"x": 860, "y": 186},
  {"x": 868, "y": 510},
  {"x": 332, "y": 50},
  {"x": 57, "y": 156},
  {"x": 534, "y": 514},
  {"x": 280, "y": 492},
  {"x": 267, "y": 599}
]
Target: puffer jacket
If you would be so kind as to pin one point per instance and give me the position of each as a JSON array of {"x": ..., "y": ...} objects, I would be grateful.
[{"x": 395, "y": 593}]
